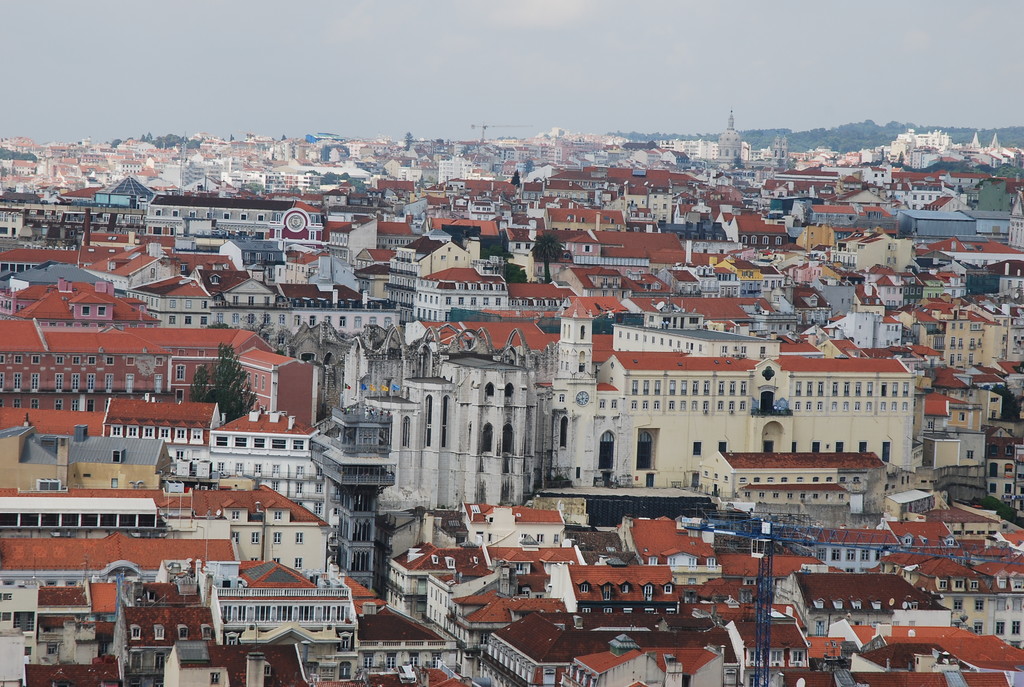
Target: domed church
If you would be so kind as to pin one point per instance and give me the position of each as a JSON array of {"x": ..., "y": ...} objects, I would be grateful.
[{"x": 730, "y": 145}]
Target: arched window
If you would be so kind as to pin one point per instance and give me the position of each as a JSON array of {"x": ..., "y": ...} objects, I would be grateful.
[
  {"x": 405, "y": 431},
  {"x": 563, "y": 432},
  {"x": 444, "y": 422},
  {"x": 489, "y": 390},
  {"x": 507, "y": 441},
  {"x": 606, "y": 452},
  {"x": 487, "y": 439},
  {"x": 583, "y": 362},
  {"x": 428, "y": 420},
  {"x": 583, "y": 332},
  {"x": 644, "y": 451},
  {"x": 509, "y": 390}
]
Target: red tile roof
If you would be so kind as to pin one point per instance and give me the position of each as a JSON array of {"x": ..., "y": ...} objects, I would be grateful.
[
  {"x": 168, "y": 617},
  {"x": 520, "y": 513},
  {"x": 268, "y": 423},
  {"x": 62, "y": 596},
  {"x": 126, "y": 411},
  {"x": 284, "y": 661},
  {"x": 68, "y": 553},
  {"x": 804, "y": 461},
  {"x": 92, "y": 675},
  {"x": 52, "y": 421},
  {"x": 661, "y": 538}
]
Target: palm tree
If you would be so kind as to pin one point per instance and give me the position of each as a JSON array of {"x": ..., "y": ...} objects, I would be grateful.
[{"x": 547, "y": 247}]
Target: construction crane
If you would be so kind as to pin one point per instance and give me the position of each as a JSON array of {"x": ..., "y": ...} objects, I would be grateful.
[
  {"x": 765, "y": 535},
  {"x": 484, "y": 127}
]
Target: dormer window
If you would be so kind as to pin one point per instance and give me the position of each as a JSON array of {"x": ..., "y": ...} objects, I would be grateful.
[
  {"x": 136, "y": 632},
  {"x": 606, "y": 592},
  {"x": 182, "y": 631},
  {"x": 626, "y": 588},
  {"x": 648, "y": 592},
  {"x": 584, "y": 587},
  {"x": 158, "y": 632}
]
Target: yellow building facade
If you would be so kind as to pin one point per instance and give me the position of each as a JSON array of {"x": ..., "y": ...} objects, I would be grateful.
[{"x": 649, "y": 419}]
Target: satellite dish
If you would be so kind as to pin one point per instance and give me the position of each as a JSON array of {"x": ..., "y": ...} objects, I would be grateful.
[
  {"x": 801, "y": 683},
  {"x": 906, "y": 605},
  {"x": 892, "y": 601}
]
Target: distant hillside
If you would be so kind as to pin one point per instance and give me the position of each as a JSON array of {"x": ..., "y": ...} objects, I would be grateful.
[{"x": 846, "y": 137}]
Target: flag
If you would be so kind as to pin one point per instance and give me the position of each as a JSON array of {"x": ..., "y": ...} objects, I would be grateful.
[
  {"x": 362, "y": 387},
  {"x": 348, "y": 386},
  {"x": 373, "y": 388}
]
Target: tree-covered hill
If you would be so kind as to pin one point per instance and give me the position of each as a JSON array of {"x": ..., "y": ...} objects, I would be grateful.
[{"x": 845, "y": 137}]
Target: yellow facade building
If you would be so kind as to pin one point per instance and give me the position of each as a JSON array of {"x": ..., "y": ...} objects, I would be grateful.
[{"x": 650, "y": 419}]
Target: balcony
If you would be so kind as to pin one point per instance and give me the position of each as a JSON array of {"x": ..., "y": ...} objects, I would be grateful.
[
  {"x": 756, "y": 411},
  {"x": 359, "y": 475}
]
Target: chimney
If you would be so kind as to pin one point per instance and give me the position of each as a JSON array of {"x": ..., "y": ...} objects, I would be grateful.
[
  {"x": 81, "y": 432},
  {"x": 87, "y": 228},
  {"x": 63, "y": 285},
  {"x": 254, "y": 416},
  {"x": 255, "y": 663},
  {"x": 291, "y": 422}
]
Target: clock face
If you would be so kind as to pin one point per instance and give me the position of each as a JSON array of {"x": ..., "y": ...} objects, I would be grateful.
[{"x": 582, "y": 398}]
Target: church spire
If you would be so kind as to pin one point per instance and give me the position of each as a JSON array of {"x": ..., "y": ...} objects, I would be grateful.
[
  {"x": 732, "y": 122},
  {"x": 995, "y": 140}
]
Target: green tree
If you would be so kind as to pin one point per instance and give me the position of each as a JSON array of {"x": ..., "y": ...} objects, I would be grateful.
[
  {"x": 1003, "y": 510},
  {"x": 514, "y": 274},
  {"x": 200, "y": 389},
  {"x": 547, "y": 248},
  {"x": 1011, "y": 404},
  {"x": 408, "y": 140},
  {"x": 516, "y": 180},
  {"x": 6, "y": 154},
  {"x": 227, "y": 385}
]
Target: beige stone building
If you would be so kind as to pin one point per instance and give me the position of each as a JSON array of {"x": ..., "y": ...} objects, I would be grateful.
[
  {"x": 650, "y": 419},
  {"x": 856, "y": 480},
  {"x": 864, "y": 250}
]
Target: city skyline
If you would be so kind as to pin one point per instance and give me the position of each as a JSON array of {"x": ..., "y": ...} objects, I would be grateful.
[{"x": 364, "y": 71}]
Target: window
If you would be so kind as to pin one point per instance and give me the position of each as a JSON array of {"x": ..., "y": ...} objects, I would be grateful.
[
  {"x": 299, "y": 537},
  {"x": 215, "y": 678}
]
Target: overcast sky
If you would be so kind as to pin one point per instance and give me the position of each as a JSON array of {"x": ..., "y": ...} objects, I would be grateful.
[{"x": 105, "y": 69}]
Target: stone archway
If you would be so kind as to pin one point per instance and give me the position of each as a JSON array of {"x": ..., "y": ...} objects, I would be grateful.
[{"x": 771, "y": 436}]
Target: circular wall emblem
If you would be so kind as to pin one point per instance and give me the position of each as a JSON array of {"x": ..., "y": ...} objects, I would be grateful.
[{"x": 295, "y": 223}]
